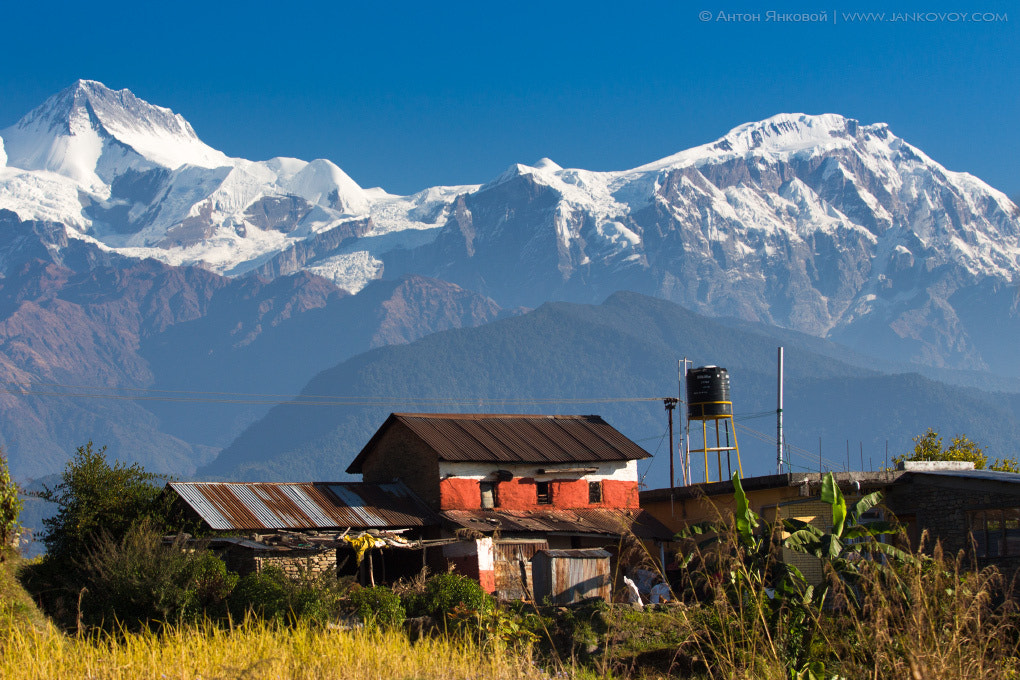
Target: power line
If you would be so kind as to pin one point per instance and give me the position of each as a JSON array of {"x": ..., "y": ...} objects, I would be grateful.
[
  {"x": 246, "y": 398},
  {"x": 796, "y": 450}
]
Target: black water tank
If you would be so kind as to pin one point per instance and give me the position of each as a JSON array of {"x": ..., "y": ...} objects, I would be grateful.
[{"x": 708, "y": 392}]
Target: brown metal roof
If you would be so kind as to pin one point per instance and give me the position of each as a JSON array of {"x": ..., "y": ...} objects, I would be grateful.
[
  {"x": 511, "y": 438},
  {"x": 310, "y": 505},
  {"x": 577, "y": 521}
]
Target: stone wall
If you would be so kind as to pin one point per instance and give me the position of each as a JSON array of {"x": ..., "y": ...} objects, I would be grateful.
[
  {"x": 294, "y": 563},
  {"x": 941, "y": 505}
]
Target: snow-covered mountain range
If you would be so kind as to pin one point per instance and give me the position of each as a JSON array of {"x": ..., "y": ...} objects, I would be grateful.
[{"x": 814, "y": 223}]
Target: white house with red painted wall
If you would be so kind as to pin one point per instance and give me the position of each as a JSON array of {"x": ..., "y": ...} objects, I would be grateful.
[{"x": 514, "y": 484}]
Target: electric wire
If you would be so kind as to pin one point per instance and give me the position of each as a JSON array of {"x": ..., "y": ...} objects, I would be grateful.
[
  {"x": 804, "y": 453},
  {"x": 248, "y": 398},
  {"x": 323, "y": 400}
]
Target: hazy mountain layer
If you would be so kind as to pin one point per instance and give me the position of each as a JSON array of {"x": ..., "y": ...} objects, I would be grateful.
[{"x": 616, "y": 359}]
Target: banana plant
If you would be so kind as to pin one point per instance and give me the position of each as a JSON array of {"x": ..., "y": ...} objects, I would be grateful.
[
  {"x": 849, "y": 540},
  {"x": 753, "y": 545}
]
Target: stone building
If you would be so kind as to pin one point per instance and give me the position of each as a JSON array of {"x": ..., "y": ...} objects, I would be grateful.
[{"x": 976, "y": 511}]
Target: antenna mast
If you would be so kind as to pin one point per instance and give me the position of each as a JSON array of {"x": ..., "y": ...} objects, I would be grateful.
[
  {"x": 685, "y": 431},
  {"x": 779, "y": 416}
]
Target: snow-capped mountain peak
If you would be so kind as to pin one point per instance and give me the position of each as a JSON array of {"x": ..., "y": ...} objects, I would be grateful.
[
  {"x": 790, "y": 132},
  {"x": 781, "y": 135},
  {"x": 71, "y": 132}
]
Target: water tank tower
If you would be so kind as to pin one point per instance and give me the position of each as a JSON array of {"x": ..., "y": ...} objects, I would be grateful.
[{"x": 708, "y": 401}]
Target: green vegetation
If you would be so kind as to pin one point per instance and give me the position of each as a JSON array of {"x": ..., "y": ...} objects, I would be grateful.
[
  {"x": 95, "y": 498},
  {"x": 443, "y": 592},
  {"x": 378, "y": 605},
  {"x": 138, "y": 606},
  {"x": 138, "y": 581},
  {"x": 10, "y": 507},
  {"x": 758, "y": 617},
  {"x": 928, "y": 446}
]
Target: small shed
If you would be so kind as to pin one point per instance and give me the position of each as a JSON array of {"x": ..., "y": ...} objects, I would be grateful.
[{"x": 567, "y": 576}]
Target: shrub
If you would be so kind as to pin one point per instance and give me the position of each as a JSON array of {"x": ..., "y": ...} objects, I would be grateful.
[
  {"x": 378, "y": 605},
  {"x": 264, "y": 593},
  {"x": 271, "y": 594},
  {"x": 444, "y": 592},
  {"x": 318, "y": 599},
  {"x": 139, "y": 581},
  {"x": 10, "y": 507}
]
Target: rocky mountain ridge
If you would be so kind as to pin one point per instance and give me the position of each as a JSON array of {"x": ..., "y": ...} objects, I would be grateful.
[{"x": 813, "y": 223}]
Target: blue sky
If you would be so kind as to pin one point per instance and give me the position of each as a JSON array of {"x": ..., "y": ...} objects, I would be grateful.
[{"x": 408, "y": 95}]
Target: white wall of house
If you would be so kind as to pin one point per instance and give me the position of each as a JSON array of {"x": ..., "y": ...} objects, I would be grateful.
[{"x": 618, "y": 471}]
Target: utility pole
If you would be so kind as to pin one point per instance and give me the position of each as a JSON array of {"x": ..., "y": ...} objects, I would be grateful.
[
  {"x": 685, "y": 456},
  {"x": 670, "y": 404},
  {"x": 779, "y": 416}
]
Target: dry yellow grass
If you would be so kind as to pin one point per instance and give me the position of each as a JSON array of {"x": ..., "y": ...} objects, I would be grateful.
[{"x": 253, "y": 651}]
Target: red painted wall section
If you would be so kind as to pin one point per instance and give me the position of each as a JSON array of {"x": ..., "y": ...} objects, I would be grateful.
[
  {"x": 517, "y": 494},
  {"x": 459, "y": 494},
  {"x": 487, "y": 580},
  {"x": 616, "y": 494},
  {"x": 570, "y": 494}
]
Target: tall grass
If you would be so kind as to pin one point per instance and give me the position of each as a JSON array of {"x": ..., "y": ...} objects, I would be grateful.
[
  {"x": 254, "y": 650},
  {"x": 937, "y": 617}
]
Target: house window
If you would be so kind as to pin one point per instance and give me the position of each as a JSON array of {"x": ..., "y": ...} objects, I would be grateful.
[
  {"x": 544, "y": 493},
  {"x": 996, "y": 532},
  {"x": 594, "y": 492},
  {"x": 489, "y": 500}
]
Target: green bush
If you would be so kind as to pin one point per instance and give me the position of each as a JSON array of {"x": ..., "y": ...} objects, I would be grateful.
[
  {"x": 378, "y": 605},
  {"x": 264, "y": 594},
  {"x": 271, "y": 594},
  {"x": 139, "y": 581},
  {"x": 10, "y": 506},
  {"x": 444, "y": 592}
]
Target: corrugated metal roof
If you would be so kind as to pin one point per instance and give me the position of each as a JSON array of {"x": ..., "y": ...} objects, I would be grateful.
[
  {"x": 577, "y": 521},
  {"x": 577, "y": 553},
  {"x": 312, "y": 505},
  {"x": 511, "y": 438}
]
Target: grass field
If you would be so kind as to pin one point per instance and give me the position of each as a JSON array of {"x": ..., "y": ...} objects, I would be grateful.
[{"x": 255, "y": 651}]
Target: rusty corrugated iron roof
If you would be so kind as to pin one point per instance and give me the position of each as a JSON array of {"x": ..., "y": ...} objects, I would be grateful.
[
  {"x": 483, "y": 437},
  {"x": 606, "y": 522},
  {"x": 302, "y": 506}
]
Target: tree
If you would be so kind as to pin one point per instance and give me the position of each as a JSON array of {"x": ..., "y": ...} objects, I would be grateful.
[
  {"x": 929, "y": 447},
  {"x": 10, "y": 506},
  {"x": 95, "y": 498}
]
